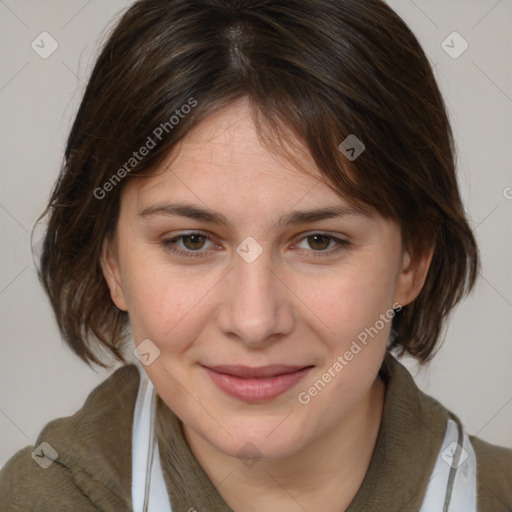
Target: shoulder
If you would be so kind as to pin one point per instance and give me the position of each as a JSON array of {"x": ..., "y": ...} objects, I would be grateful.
[
  {"x": 410, "y": 404},
  {"x": 494, "y": 475},
  {"x": 26, "y": 486},
  {"x": 80, "y": 462}
]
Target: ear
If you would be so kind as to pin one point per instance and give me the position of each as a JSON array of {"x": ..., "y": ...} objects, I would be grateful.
[
  {"x": 110, "y": 267},
  {"x": 413, "y": 274}
]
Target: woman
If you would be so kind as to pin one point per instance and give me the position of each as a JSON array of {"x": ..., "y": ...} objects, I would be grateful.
[{"x": 261, "y": 196}]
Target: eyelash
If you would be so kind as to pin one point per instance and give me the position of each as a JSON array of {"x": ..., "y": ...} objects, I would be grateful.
[{"x": 170, "y": 244}]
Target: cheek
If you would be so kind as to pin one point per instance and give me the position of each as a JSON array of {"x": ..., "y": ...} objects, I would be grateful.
[
  {"x": 353, "y": 317},
  {"x": 345, "y": 303},
  {"x": 165, "y": 303}
]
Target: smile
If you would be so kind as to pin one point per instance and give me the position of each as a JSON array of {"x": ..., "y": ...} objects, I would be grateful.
[{"x": 256, "y": 384}]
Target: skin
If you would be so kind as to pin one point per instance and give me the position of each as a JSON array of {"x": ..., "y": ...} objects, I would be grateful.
[{"x": 300, "y": 302}]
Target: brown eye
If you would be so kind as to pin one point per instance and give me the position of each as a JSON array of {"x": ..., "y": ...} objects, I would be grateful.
[
  {"x": 319, "y": 242},
  {"x": 194, "y": 242}
]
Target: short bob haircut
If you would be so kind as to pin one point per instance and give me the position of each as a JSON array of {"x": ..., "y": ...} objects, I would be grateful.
[{"x": 314, "y": 71}]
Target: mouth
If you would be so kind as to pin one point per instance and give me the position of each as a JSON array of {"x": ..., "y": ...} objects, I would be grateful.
[{"x": 256, "y": 384}]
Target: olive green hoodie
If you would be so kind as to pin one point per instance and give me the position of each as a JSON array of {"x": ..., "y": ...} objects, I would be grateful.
[{"x": 92, "y": 470}]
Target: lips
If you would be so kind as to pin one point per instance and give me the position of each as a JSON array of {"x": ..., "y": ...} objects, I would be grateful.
[
  {"x": 256, "y": 372},
  {"x": 256, "y": 384}
]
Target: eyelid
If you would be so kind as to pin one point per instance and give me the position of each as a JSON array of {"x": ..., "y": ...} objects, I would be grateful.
[
  {"x": 337, "y": 236},
  {"x": 169, "y": 241},
  {"x": 339, "y": 242}
]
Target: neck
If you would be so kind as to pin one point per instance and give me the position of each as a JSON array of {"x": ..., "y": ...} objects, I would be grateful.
[{"x": 324, "y": 475}]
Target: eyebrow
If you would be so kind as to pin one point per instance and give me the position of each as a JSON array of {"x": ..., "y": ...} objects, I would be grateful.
[{"x": 293, "y": 217}]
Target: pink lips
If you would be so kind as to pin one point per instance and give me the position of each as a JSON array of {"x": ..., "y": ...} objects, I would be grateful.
[{"x": 254, "y": 384}]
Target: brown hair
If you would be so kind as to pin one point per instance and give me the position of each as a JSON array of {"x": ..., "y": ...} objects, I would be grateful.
[{"x": 320, "y": 69}]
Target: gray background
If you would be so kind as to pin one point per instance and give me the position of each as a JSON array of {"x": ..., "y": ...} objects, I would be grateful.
[{"x": 42, "y": 380}]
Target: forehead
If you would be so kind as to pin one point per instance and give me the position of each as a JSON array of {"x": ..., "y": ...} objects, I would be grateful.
[{"x": 223, "y": 157}]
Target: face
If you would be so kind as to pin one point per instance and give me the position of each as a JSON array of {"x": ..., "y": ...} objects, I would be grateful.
[{"x": 264, "y": 315}]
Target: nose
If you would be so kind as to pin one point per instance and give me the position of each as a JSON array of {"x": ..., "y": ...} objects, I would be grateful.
[{"x": 256, "y": 308}]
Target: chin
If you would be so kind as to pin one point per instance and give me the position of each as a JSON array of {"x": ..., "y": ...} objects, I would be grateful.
[{"x": 257, "y": 438}]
